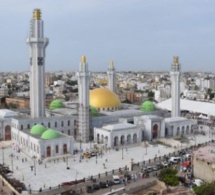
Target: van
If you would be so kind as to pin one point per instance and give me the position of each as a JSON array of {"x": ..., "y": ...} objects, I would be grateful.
[
  {"x": 116, "y": 179},
  {"x": 174, "y": 160}
]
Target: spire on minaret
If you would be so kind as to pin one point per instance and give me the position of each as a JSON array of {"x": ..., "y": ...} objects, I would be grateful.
[{"x": 37, "y": 14}]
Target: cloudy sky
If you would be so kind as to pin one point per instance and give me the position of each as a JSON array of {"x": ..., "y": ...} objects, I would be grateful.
[{"x": 139, "y": 35}]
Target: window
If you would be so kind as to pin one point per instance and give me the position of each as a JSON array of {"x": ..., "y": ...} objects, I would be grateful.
[
  {"x": 68, "y": 132},
  {"x": 49, "y": 125},
  {"x": 21, "y": 127},
  {"x": 28, "y": 126},
  {"x": 55, "y": 124},
  {"x": 68, "y": 123},
  {"x": 61, "y": 123},
  {"x": 56, "y": 149}
]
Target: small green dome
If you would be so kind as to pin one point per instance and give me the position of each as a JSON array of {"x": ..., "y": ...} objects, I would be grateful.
[
  {"x": 93, "y": 111},
  {"x": 56, "y": 104},
  {"x": 50, "y": 134},
  {"x": 147, "y": 106},
  {"x": 38, "y": 129}
]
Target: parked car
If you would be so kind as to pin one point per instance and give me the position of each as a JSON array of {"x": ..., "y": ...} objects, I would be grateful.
[
  {"x": 116, "y": 179},
  {"x": 103, "y": 184},
  {"x": 96, "y": 186},
  {"x": 89, "y": 189}
]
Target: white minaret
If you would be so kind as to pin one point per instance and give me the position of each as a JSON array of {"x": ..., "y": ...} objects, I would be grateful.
[
  {"x": 175, "y": 78},
  {"x": 111, "y": 76},
  {"x": 37, "y": 45},
  {"x": 83, "y": 93}
]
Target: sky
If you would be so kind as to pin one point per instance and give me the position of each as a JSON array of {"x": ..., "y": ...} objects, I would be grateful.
[{"x": 138, "y": 35}]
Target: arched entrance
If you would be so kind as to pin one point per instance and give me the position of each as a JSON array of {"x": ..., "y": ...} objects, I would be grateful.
[
  {"x": 135, "y": 138},
  {"x": 116, "y": 140},
  {"x": 98, "y": 138},
  {"x": 129, "y": 139},
  {"x": 182, "y": 130},
  {"x": 178, "y": 131},
  {"x": 122, "y": 140},
  {"x": 7, "y": 132},
  {"x": 155, "y": 132},
  {"x": 48, "y": 151},
  {"x": 64, "y": 148},
  {"x": 187, "y": 129}
]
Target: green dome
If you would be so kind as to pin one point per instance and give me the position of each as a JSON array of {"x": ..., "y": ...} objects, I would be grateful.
[
  {"x": 50, "y": 134},
  {"x": 38, "y": 129},
  {"x": 56, "y": 104},
  {"x": 147, "y": 106},
  {"x": 93, "y": 111}
]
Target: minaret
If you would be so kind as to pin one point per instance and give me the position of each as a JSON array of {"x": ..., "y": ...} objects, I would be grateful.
[
  {"x": 83, "y": 93},
  {"x": 175, "y": 78},
  {"x": 37, "y": 45},
  {"x": 111, "y": 76}
]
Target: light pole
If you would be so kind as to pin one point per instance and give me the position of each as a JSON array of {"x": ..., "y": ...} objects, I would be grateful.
[
  {"x": 67, "y": 159},
  {"x": 3, "y": 155},
  {"x": 34, "y": 158},
  {"x": 11, "y": 156}
]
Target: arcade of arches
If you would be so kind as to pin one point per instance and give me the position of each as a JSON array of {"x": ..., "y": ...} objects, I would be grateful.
[{"x": 7, "y": 133}]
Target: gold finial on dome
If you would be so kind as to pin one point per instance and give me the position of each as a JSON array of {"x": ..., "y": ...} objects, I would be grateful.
[
  {"x": 83, "y": 59},
  {"x": 175, "y": 59},
  {"x": 37, "y": 14}
]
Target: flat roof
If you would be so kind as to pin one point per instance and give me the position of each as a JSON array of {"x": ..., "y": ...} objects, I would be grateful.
[{"x": 190, "y": 105}]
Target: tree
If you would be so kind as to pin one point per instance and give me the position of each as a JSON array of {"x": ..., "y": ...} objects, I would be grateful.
[
  {"x": 168, "y": 176},
  {"x": 205, "y": 189},
  {"x": 151, "y": 95}
]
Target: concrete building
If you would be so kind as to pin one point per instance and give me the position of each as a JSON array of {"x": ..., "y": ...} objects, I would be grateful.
[{"x": 204, "y": 163}]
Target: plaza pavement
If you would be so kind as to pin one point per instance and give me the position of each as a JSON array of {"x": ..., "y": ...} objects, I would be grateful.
[{"x": 55, "y": 172}]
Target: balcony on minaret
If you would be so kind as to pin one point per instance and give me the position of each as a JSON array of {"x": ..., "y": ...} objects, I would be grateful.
[{"x": 175, "y": 66}]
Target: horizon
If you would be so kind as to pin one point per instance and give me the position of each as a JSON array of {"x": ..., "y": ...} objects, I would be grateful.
[{"x": 144, "y": 35}]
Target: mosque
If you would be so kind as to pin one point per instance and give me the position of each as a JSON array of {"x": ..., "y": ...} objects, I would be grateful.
[{"x": 98, "y": 115}]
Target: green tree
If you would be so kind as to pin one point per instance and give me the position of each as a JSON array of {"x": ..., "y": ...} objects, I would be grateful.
[
  {"x": 205, "y": 189},
  {"x": 168, "y": 176},
  {"x": 151, "y": 95}
]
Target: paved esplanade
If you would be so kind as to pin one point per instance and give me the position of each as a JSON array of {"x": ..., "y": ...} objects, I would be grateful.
[{"x": 55, "y": 172}]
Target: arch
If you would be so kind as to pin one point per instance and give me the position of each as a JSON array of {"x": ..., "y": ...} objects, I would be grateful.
[
  {"x": 56, "y": 149},
  {"x": 128, "y": 138},
  {"x": 122, "y": 140},
  {"x": 178, "y": 131},
  {"x": 155, "y": 132},
  {"x": 48, "y": 151},
  {"x": 182, "y": 130},
  {"x": 135, "y": 138},
  {"x": 98, "y": 138},
  {"x": 102, "y": 139},
  {"x": 187, "y": 129},
  {"x": 8, "y": 132},
  {"x": 106, "y": 140},
  {"x": 116, "y": 140},
  {"x": 64, "y": 148}
]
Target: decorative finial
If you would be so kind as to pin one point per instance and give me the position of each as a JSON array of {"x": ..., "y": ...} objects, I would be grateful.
[
  {"x": 111, "y": 65},
  {"x": 83, "y": 59},
  {"x": 175, "y": 59},
  {"x": 37, "y": 14}
]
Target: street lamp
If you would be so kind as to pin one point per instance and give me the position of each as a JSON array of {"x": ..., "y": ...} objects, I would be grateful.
[
  {"x": 34, "y": 158},
  {"x": 3, "y": 155},
  {"x": 11, "y": 156}
]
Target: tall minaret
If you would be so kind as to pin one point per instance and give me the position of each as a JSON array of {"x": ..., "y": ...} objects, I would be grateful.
[
  {"x": 111, "y": 76},
  {"x": 37, "y": 45},
  {"x": 83, "y": 93},
  {"x": 175, "y": 78}
]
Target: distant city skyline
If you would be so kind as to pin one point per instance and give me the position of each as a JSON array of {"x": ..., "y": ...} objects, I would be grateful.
[{"x": 138, "y": 35}]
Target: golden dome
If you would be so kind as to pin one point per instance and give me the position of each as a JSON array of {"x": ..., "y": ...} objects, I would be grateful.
[{"x": 104, "y": 98}]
